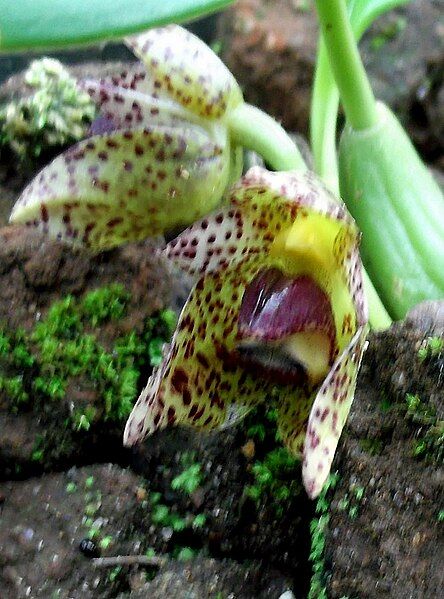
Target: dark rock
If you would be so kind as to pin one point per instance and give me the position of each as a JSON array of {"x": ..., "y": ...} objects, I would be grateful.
[
  {"x": 384, "y": 535},
  {"x": 428, "y": 317},
  {"x": 42, "y": 522},
  {"x": 208, "y": 578},
  {"x": 36, "y": 271}
]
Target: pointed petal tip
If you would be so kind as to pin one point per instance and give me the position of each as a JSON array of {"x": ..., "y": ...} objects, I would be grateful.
[
  {"x": 130, "y": 436},
  {"x": 313, "y": 484}
]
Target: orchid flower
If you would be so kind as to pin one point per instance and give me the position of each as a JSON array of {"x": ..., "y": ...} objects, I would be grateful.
[
  {"x": 166, "y": 146},
  {"x": 277, "y": 308},
  {"x": 159, "y": 156}
]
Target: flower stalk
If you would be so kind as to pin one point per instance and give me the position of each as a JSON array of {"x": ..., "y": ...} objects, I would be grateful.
[
  {"x": 384, "y": 183},
  {"x": 256, "y": 130},
  {"x": 325, "y": 94},
  {"x": 349, "y": 73}
]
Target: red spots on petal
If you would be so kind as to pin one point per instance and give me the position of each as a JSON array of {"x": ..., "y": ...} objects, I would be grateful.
[
  {"x": 44, "y": 213},
  {"x": 186, "y": 397},
  {"x": 324, "y": 414},
  {"x": 171, "y": 415},
  {"x": 160, "y": 156},
  {"x": 179, "y": 379},
  {"x": 198, "y": 414},
  {"x": 335, "y": 422},
  {"x": 201, "y": 358},
  {"x": 193, "y": 410},
  {"x": 102, "y": 156},
  {"x": 314, "y": 441},
  {"x": 138, "y": 150},
  {"x": 113, "y": 222},
  {"x": 128, "y": 165}
]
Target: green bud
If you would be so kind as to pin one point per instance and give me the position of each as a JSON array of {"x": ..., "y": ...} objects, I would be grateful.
[{"x": 399, "y": 208}]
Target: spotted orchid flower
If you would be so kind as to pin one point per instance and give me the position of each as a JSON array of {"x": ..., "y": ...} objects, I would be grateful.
[
  {"x": 158, "y": 157},
  {"x": 277, "y": 309}
]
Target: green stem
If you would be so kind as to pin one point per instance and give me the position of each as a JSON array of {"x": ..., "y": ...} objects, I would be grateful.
[
  {"x": 255, "y": 130},
  {"x": 379, "y": 318},
  {"x": 323, "y": 116},
  {"x": 352, "y": 81},
  {"x": 325, "y": 97}
]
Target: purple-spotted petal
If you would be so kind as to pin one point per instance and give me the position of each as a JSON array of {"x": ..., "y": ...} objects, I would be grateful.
[
  {"x": 182, "y": 66},
  {"x": 129, "y": 109},
  {"x": 202, "y": 382},
  {"x": 260, "y": 206},
  {"x": 329, "y": 413},
  {"x": 127, "y": 185}
]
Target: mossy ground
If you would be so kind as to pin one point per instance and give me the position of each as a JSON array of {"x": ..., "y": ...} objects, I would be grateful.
[{"x": 62, "y": 373}]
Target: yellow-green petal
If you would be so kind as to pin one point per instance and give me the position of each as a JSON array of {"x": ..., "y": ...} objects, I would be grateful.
[
  {"x": 329, "y": 413},
  {"x": 185, "y": 68},
  {"x": 201, "y": 382},
  {"x": 127, "y": 185}
]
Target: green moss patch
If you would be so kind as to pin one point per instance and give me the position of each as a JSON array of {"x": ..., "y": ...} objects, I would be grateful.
[{"x": 60, "y": 367}]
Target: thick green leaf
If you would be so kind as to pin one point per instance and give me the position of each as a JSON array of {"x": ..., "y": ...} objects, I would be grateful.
[{"x": 30, "y": 24}]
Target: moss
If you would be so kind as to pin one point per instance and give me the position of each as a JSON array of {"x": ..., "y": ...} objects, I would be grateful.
[
  {"x": 350, "y": 503},
  {"x": 189, "y": 480},
  {"x": 165, "y": 512},
  {"x": 57, "y": 113},
  {"x": 276, "y": 474},
  {"x": 429, "y": 436},
  {"x": 432, "y": 347},
  {"x": 37, "y": 368},
  {"x": 107, "y": 303},
  {"x": 276, "y": 477},
  {"x": 372, "y": 446},
  {"x": 318, "y": 530}
]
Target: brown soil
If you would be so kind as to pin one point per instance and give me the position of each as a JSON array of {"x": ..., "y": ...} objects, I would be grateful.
[{"x": 393, "y": 546}]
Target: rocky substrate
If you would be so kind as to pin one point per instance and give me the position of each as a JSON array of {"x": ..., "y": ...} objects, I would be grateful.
[{"x": 225, "y": 512}]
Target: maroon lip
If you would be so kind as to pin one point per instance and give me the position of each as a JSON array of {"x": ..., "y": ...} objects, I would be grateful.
[{"x": 275, "y": 306}]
